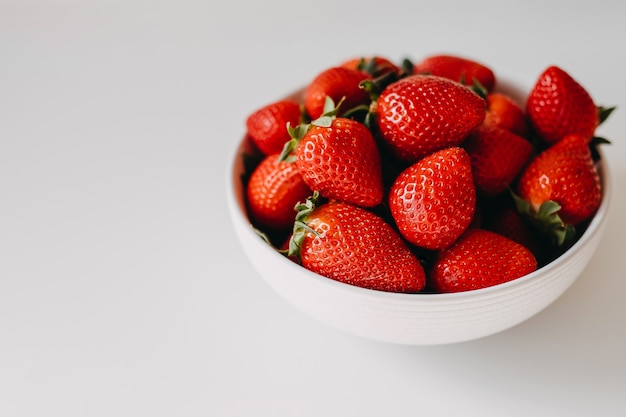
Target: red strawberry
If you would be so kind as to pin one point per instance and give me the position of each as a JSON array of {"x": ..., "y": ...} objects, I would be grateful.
[
  {"x": 503, "y": 111},
  {"x": 564, "y": 174},
  {"x": 339, "y": 158},
  {"x": 373, "y": 66},
  {"x": 481, "y": 259},
  {"x": 420, "y": 114},
  {"x": 458, "y": 69},
  {"x": 273, "y": 191},
  {"x": 508, "y": 222},
  {"x": 558, "y": 105},
  {"x": 497, "y": 156},
  {"x": 433, "y": 201},
  {"x": 337, "y": 83},
  {"x": 267, "y": 126},
  {"x": 352, "y": 245}
]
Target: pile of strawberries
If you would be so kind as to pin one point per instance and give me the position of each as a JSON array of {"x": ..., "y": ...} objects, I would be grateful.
[{"x": 423, "y": 177}]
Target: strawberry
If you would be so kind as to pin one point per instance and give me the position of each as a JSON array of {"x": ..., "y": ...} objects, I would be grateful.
[
  {"x": 480, "y": 259},
  {"x": 373, "y": 66},
  {"x": 337, "y": 83},
  {"x": 401, "y": 186},
  {"x": 562, "y": 180},
  {"x": 497, "y": 156},
  {"x": 505, "y": 220},
  {"x": 272, "y": 192},
  {"x": 354, "y": 246},
  {"x": 267, "y": 126},
  {"x": 509, "y": 223},
  {"x": 420, "y": 114},
  {"x": 456, "y": 68},
  {"x": 558, "y": 105},
  {"x": 433, "y": 201},
  {"x": 503, "y": 111},
  {"x": 339, "y": 158}
]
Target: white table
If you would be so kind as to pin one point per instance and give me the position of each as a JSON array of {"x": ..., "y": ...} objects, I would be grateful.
[{"x": 123, "y": 291}]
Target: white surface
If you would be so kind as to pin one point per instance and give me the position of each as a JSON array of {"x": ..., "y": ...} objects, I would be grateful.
[{"x": 123, "y": 291}]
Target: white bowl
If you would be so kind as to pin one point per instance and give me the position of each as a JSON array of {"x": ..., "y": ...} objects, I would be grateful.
[{"x": 413, "y": 319}]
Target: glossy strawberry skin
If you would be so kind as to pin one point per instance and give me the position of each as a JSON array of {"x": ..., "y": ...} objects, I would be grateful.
[
  {"x": 564, "y": 173},
  {"x": 267, "y": 126},
  {"x": 480, "y": 259},
  {"x": 336, "y": 83},
  {"x": 356, "y": 247},
  {"x": 457, "y": 68},
  {"x": 433, "y": 201},
  {"x": 558, "y": 105},
  {"x": 273, "y": 190},
  {"x": 342, "y": 162},
  {"x": 497, "y": 157},
  {"x": 421, "y": 114},
  {"x": 503, "y": 111}
]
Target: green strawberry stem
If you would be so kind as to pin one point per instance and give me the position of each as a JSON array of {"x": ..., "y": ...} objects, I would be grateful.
[
  {"x": 354, "y": 112},
  {"x": 593, "y": 146},
  {"x": 598, "y": 140},
  {"x": 370, "y": 66},
  {"x": 406, "y": 68},
  {"x": 367, "y": 66},
  {"x": 604, "y": 113},
  {"x": 546, "y": 220},
  {"x": 479, "y": 89},
  {"x": 300, "y": 228},
  {"x": 297, "y": 133},
  {"x": 375, "y": 86}
]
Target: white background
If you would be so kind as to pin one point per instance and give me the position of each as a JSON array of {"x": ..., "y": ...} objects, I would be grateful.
[{"x": 123, "y": 291}]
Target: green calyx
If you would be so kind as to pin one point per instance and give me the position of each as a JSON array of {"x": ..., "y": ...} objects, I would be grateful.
[
  {"x": 596, "y": 142},
  {"x": 406, "y": 68},
  {"x": 604, "y": 113},
  {"x": 546, "y": 220},
  {"x": 300, "y": 227},
  {"x": 370, "y": 66},
  {"x": 478, "y": 88},
  {"x": 297, "y": 133},
  {"x": 376, "y": 86}
]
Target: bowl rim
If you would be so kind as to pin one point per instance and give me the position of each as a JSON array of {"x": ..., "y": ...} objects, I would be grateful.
[{"x": 594, "y": 225}]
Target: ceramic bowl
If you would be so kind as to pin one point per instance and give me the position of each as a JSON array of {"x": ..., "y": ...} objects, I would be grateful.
[{"x": 413, "y": 319}]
